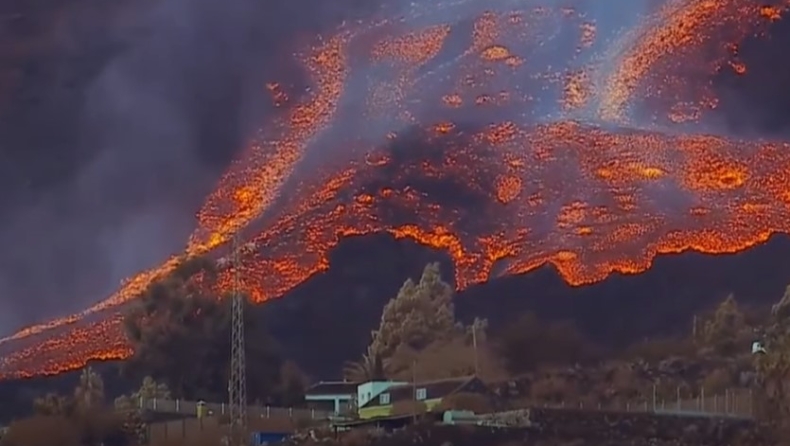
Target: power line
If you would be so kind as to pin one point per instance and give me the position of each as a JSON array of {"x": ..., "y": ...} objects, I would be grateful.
[{"x": 237, "y": 386}]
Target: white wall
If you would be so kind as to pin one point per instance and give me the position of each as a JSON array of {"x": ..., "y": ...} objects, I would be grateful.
[{"x": 372, "y": 389}]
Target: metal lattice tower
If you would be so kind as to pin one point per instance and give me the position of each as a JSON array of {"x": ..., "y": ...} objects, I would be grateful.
[{"x": 237, "y": 386}]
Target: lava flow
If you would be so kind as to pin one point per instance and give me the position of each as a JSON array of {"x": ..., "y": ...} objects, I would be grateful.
[{"x": 572, "y": 139}]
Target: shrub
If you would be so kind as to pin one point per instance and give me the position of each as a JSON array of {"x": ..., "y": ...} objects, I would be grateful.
[{"x": 42, "y": 430}]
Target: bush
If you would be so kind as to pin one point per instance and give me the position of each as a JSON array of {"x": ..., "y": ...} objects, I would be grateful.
[
  {"x": 550, "y": 389},
  {"x": 42, "y": 430},
  {"x": 718, "y": 380},
  {"x": 98, "y": 426}
]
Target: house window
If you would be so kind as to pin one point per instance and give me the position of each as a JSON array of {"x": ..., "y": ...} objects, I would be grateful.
[
  {"x": 421, "y": 394},
  {"x": 384, "y": 398}
]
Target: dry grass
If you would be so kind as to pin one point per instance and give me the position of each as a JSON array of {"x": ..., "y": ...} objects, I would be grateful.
[
  {"x": 210, "y": 430},
  {"x": 188, "y": 432},
  {"x": 42, "y": 431}
]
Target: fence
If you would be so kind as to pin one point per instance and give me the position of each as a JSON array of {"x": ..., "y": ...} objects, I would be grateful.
[
  {"x": 734, "y": 403},
  {"x": 190, "y": 408},
  {"x": 737, "y": 403}
]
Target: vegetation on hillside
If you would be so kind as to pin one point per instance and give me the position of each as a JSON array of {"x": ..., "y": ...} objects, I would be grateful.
[
  {"x": 179, "y": 331},
  {"x": 419, "y": 337},
  {"x": 70, "y": 420},
  {"x": 773, "y": 368}
]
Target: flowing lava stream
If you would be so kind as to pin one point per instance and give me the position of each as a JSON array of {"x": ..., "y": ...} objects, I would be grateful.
[{"x": 572, "y": 142}]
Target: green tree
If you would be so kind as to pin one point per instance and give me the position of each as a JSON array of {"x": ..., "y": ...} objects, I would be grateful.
[
  {"x": 89, "y": 393},
  {"x": 420, "y": 314},
  {"x": 725, "y": 329},
  {"x": 129, "y": 407},
  {"x": 369, "y": 368},
  {"x": 773, "y": 369},
  {"x": 53, "y": 404},
  {"x": 85, "y": 412},
  {"x": 418, "y": 332},
  {"x": 149, "y": 390},
  {"x": 180, "y": 333}
]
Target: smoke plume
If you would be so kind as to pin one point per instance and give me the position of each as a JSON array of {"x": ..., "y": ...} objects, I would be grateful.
[{"x": 124, "y": 119}]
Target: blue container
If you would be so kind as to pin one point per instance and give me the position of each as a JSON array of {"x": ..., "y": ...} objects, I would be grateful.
[{"x": 264, "y": 438}]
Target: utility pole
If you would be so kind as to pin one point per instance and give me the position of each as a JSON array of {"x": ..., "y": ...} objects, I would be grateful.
[
  {"x": 474, "y": 345},
  {"x": 414, "y": 389},
  {"x": 694, "y": 328},
  {"x": 237, "y": 386}
]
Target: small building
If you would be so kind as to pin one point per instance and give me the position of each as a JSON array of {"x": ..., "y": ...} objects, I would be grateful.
[
  {"x": 331, "y": 395},
  {"x": 430, "y": 393},
  {"x": 370, "y": 390}
]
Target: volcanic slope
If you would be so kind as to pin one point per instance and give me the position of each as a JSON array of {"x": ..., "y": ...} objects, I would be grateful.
[{"x": 571, "y": 139}]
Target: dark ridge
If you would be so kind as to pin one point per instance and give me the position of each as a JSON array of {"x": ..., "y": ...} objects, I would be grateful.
[{"x": 328, "y": 319}]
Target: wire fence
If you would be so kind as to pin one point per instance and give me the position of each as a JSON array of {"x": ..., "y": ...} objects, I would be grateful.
[
  {"x": 732, "y": 403},
  {"x": 735, "y": 403},
  {"x": 192, "y": 408}
]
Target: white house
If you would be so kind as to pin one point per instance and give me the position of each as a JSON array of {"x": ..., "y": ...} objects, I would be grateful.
[{"x": 371, "y": 389}]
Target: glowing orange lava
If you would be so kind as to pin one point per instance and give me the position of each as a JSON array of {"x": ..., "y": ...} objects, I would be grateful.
[{"x": 489, "y": 124}]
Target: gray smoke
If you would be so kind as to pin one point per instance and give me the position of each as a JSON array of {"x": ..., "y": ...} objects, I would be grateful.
[
  {"x": 147, "y": 102},
  {"x": 151, "y": 99}
]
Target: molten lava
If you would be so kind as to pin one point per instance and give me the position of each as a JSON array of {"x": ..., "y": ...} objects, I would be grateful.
[{"x": 564, "y": 138}]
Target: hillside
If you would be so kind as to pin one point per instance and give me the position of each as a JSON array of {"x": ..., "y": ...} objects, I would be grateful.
[{"x": 368, "y": 271}]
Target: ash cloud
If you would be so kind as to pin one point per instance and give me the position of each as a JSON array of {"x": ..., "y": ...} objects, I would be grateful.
[{"x": 120, "y": 129}]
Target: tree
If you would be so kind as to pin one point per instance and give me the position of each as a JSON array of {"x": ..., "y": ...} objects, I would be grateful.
[
  {"x": 369, "y": 368},
  {"x": 129, "y": 407},
  {"x": 465, "y": 353},
  {"x": 180, "y": 333},
  {"x": 418, "y": 330},
  {"x": 149, "y": 390},
  {"x": 773, "y": 369},
  {"x": 53, "y": 404},
  {"x": 89, "y": 393},
  {"x": 85, "y": 413},
  {"x": 723, "y": 331},
  {"x": 420, "y": 314}
]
